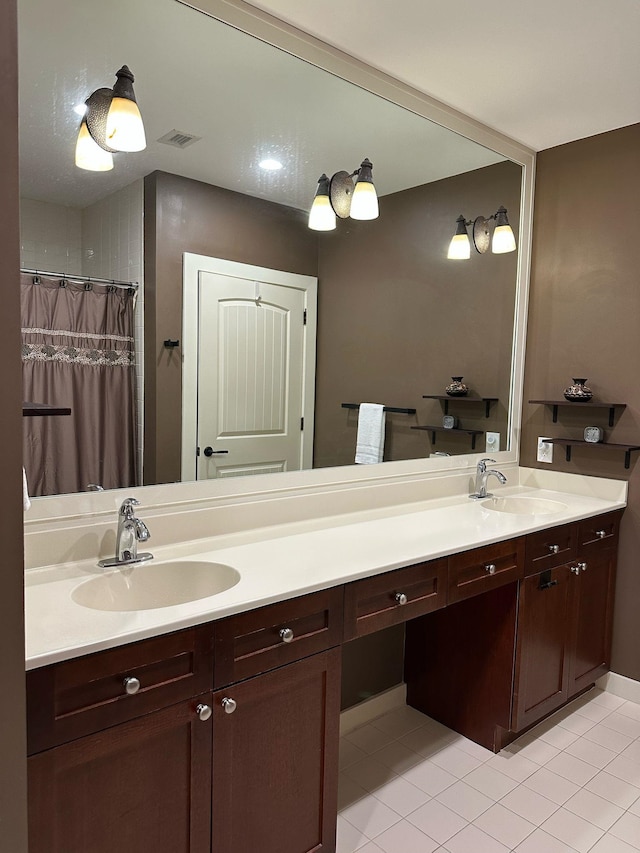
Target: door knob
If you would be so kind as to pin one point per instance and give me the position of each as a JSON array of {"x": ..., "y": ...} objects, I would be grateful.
[
  {"x": 209, "y": 451},
  {"x": 229, "y": 705}
]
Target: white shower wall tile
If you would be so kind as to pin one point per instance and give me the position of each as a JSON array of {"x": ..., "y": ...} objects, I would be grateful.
[{"x": 50, "y": 237}]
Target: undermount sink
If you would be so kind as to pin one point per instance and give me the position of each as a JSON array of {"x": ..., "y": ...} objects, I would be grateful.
[
  {"x": 151, "y": 585},
  {"x": 524, "y": 506}
]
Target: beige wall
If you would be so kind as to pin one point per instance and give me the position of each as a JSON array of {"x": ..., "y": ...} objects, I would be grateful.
[
  {"x": 584, "y": 320},
  {"x": 13, "y": 822}
]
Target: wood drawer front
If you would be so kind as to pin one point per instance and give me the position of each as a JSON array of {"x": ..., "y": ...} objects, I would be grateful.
[
  {"x": 372, "y": 604},
  {"x": 251, "y": 642},
  {"x": 470, "y": 572},
  {"x": 550, "y": 548},
  {"x": 601, "y": 531},
  {"x": 85, "y": 695}
]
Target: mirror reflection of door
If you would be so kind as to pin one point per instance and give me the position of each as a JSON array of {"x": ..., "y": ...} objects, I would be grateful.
[{"x": 252, "y": 342}]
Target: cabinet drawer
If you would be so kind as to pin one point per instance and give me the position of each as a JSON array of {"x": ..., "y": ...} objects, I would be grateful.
[
  {"x": 600, "y": 531},
  {"x": 377, "y": 602},
  {"x": 259, "y": 640},
  {"x": 482, "y": 569},
  {"x": 74, "y": 698},
  {"x": 550, "y": 548}
]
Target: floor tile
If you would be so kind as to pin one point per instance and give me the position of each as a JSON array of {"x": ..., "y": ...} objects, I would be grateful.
[
  {"x": 370, "y": 847},
  {"x": 504, "y": 825},
  {"x": 534, "y": 749},
  {"x": 513, "y": 765},
  {"x": 370, "y": 816},
  {"x": 455, "y": 761},
  {"x": 401, "y": 796},
  {"x": 593, "y": 712},
  {"x": 490, "y": 782},
  {"x": 630, "y": 709},
  {"x": 592, "y": 753},
  {"x": 368, "y": 738},
  {"x": 623, "y": 724},
  {"x": 529, "y": 805},
  {"x": 541, "y": 842},
  {"x": 627, "y": 828},
  {"x": 429, "y": 778},
  {"x": 559, "y": 737},
  {"x": 426, "y": 741},
  {"x": 551, "y": 786},
  {"x": 349, "y": 792},
  {"x": 369, "y": 773},
  {"x": 400, "y": 721},
  {"x": 349, "y": 754},
  {"x": 610, "y": 844},
  {"x": 615, "y": 790},
  {"x": 571, "y": 768},
  {"x": 593, "y": 808},
  {"x": 577, "y": 724},
  {"x": 635, "y": 808},
  {"x": 607, "y": 700},
  {"x": 437, "y": 821},
  {"x": 404, "y": 837},
  {"x": 473, "y": 840},
  {"x": 348, "y": 837},
  {"x": 474, "y": 749},
  {"x": 608, "y": 738},
  {"x": 465, "y": 800},
  {"x": 632, "y": 752},
  {"x": 397, "y": 757},
  {"x": 573, "y": 830},
  {"x": 625, "y": 769}
]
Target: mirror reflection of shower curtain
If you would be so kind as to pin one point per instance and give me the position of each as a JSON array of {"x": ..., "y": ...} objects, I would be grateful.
[{"x": 78, "y": 352}]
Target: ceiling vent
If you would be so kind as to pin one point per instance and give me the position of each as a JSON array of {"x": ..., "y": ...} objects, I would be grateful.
[{"x": 179, "y": 139}]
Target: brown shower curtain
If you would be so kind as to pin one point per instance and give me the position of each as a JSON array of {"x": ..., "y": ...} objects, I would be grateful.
[{"x": 78, "y": 352}]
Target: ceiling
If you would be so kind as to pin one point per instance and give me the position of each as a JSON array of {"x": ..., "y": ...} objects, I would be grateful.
[
  {"x": 246, "y": 99},
  {"x": 544, "y": 72}
]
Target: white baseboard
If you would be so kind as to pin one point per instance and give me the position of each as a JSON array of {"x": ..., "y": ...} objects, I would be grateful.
[
  {"x": 371, "y": 708},
  {"x": 620, "y": 685}
]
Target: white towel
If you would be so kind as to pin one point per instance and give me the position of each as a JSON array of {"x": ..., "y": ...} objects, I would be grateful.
[
  {"x": 370, "y": 439},
  {"x": 26, "y": 503}
]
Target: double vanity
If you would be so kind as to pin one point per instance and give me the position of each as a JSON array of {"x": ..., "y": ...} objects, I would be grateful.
[{"x": 192, "y": 703}]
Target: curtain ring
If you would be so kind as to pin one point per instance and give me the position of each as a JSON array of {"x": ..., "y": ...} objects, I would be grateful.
[
  {"x": 88, "y": 286},
  {"x": 111, "y": 288},
  {"x": 63, "y": 282},
  {"x": 37, "y": 280}
]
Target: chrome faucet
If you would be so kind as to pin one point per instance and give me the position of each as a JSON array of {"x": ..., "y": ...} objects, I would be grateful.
[
  {"x": 482, "y": 475},
  {"x": 131, "y": 530}
]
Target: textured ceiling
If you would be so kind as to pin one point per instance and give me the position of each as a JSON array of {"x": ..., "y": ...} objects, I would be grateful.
[{"x": 544, "y": 72}]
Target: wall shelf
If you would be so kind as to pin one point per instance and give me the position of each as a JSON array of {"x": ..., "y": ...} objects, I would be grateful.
[
  {"x": 474, "y": 433},
  {"x": 466, "y": 398},
  {"x": 30, "y": 410},
  {"x": 395, "y": 409},
  {"x": 591, "y": 404},
  {"x": 569, "y": 443}
]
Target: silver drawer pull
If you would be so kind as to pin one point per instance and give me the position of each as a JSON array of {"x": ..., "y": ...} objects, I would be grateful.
[
  {"x": 491, "y": 568},
  {"x": 286, "y": 635},
  {"x": 401, "y": 598},
  {"x": 576, "y": 569},
  {"x": 601, "y": 534},
  {"x": 229, "y": 705},
  {"x": 582, "y": 567},
  {"x": 554, "y": 548},
  {"x": 131, "y": 685},
  {"x": 204, "y": 712}
]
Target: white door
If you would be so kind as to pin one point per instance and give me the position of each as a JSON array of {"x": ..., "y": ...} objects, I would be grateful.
[{"x": 253, "y": 391}]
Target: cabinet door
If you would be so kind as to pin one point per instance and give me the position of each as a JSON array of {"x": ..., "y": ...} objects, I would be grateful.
[
  {"x": 591, "y": 618},
  {"x": 542, "y": 675},
  {"x": 139, "y": 786},
  {"x": 275, "y": 760}
]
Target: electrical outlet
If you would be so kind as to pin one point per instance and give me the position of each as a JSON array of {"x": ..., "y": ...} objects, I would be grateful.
[
  {"x": 492, "y": 442},
  {"x": 545, "y": 450}
]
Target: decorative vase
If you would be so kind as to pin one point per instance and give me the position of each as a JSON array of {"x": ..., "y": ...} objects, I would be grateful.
[
  {"x": 578, "y": 392},
  {"x": 457, "y": 388}
]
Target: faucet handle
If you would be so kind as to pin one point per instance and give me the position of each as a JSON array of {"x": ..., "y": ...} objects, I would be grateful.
[
  {"x": 482, "y": 463},
  {"x": 126, "y": 508}
]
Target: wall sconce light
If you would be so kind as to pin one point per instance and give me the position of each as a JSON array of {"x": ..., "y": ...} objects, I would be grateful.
[
  {"x": 112, "y": 122},
  {"x": 337, "y": 196},
  {"x": 503, "y": 239}
]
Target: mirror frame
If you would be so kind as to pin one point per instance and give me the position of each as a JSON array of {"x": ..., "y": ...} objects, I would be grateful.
[{"x": 279, "y": 34}]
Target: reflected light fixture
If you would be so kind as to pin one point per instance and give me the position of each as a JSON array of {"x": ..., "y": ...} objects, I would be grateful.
[
  {"x": 503, "y": 240},
  {"x": 270, "y": 165},
  {"x": 337, "y": 197},
  {"x": 112, "y": 121}
]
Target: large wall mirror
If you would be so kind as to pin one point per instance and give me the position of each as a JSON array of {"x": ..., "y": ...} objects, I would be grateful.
[{"x": 391, "y": 320}]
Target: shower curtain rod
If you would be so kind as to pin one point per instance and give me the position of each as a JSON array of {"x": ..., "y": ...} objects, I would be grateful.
[{"x": 87, "y": 278}]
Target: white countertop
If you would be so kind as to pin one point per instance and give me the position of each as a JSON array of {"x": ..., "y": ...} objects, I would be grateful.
[{"x": 280, "y": 563}]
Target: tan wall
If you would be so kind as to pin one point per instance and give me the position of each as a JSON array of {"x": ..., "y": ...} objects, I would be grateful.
[
  {"x": 584, "y": 320},
  {"x": 13, "y": 822},
  {"x": 182, "y": 215},
  {"x": 397, "y": 319}
]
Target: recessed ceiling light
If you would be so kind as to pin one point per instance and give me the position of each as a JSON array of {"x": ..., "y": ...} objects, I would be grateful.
[
  {"x": 270, "y": 165},
  {"x": 80, "y": 109}
]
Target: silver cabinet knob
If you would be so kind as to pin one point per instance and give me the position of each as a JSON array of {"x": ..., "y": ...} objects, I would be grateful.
[
  {"x": 203, "y": 712},
  {"x": 601, "y": 534},
  {"x": 491, "y": 568},
  {"x": 131, "y": 685},
  {"x": 229, "y": 705},
  {"x": 286, "y": 635},
  {"x": 576, "y": 569},
  {"x": 554, "y": 548},
  {"x": 582, "y": 567},
  {"x": 401, "y": 598}
]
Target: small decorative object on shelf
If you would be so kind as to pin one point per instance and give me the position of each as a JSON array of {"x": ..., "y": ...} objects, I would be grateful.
[
  {"x": 593, "y": 434},
  {"x": 449, "y": 422},
  {"x": 457, "y": 388},
  {"x": 578, "y": 392}
]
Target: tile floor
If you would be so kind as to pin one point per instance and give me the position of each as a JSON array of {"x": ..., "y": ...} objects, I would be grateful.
[{"x": 571, "y": 785}]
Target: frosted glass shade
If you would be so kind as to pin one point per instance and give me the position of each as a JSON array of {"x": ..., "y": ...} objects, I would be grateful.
[
  {"x": 503, "y": 240},
  {"x": 364, "y": 202},
  {"x": 89, "y": 155},
  {"x": 459, "y": 248},
  {"x": 321, "y": 215},
  {"x": 125, "y": 130}
]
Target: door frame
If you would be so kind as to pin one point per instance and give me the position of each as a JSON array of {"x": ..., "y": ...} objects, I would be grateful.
[{"x": 192, "y": 264}]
